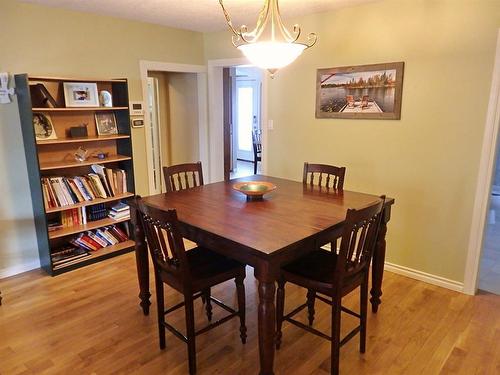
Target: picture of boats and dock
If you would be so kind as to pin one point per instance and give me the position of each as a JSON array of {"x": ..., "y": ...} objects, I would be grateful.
[{"x": 369, "y": 91}]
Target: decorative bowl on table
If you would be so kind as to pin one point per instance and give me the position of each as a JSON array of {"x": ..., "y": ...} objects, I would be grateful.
[{"x": 254, "y": 190}]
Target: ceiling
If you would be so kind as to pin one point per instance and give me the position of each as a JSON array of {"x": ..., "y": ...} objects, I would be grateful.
[{"x": 197, "y": 15}]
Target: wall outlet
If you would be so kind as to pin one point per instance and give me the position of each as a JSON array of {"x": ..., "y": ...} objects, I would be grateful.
[{"x": 270, "y": 125}]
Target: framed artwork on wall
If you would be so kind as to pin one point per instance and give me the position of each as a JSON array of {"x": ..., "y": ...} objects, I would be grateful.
[
  {"x": 360, "y": 92},
  {"x": 80, "y": 94}
]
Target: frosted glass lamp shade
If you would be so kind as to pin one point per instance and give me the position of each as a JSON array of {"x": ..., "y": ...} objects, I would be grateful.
[{"x": 272, "y": 55}]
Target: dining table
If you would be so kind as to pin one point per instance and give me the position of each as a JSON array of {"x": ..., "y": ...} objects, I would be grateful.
[{"x": 265, "y": 234}]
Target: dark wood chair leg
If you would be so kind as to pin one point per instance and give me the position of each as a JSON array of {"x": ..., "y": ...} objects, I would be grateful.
[
  {"x": 280, "y": 307},
  {"x": 311, "y": 298},
  {"x": 160, "y": 308},
  {"x": 240, "y": 288},
  {"x": 191, "y": 344},
  {"x": 208, "y": 304},
  {"x": 363, "y": 303},
  {"x": 335, "y": 349}
]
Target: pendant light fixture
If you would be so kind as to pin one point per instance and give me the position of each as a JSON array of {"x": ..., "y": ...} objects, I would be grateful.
[{"x": 270, "y": 45}]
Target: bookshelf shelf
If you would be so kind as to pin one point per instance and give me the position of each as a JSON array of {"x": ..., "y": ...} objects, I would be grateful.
[
  {"x": 73, "y": 164},
  {"x": 75, "y": 229},
  {"x": 83, "y": 139},
  {"x": 101, "y": 253},
  {"x": 78, "y": 109},
  {"x": 89, "y": 203},
  {"x": 52, "y": 161}
]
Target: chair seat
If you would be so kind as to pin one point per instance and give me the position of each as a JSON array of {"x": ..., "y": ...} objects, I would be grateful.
[
  {"x": 315, "y": 271},
  {"x": 209, "y": 268}
]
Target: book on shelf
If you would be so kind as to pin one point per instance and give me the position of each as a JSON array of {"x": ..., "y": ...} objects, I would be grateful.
[
  {"x": 67, "y": 254},
  {"x": 65, "y": 191},
  {"x": 119, "y": 211}
]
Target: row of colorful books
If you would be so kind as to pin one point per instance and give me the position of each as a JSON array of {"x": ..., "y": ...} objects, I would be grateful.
[
  {"x": 100, "y": 238},
  {"x": 66, "y": 191}
]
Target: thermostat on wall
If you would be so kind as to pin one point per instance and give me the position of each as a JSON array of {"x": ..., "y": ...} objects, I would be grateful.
[
  {"x": 137, "y": 122},
  {"x": 136, "y": 108}
]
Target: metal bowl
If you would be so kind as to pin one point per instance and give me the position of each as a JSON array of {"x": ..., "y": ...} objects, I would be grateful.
[{"x": 254, "y": 190}]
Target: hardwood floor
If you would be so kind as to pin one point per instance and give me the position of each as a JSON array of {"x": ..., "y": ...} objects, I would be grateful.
[{"x": 88, "y": 322}]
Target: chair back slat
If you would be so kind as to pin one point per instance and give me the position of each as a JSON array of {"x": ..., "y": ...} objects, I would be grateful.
[
  {"x": 324, "y": 175},
  {"x": 164, "y": 240},
  {"x": 183, "y": 176},
  {"x": 358, "y": 240}
]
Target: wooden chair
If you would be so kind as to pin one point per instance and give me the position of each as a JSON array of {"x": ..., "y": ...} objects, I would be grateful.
[
  {"x": 324, "y": 175},
  {"x": 257, "y": 149},
  {"x": 335, "y": 275},
  {"x": 350, "y": 101},
  {"x": 191, "y": 273},
  {"x": 365, "y": 101},
  {"x": 183, "y": 176}
]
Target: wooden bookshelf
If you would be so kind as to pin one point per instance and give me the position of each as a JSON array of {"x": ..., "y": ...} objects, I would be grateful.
[
  {"x": 96, "y": 138},
  {"x": 78, "y": 109},
  {"x": 54, "y": 158},
  {"x": 75, "y": 164}
]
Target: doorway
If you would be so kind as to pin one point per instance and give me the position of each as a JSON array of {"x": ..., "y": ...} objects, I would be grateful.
[
  {"x": 245, "y": 119},
  {"x": 489, "y": 274}
]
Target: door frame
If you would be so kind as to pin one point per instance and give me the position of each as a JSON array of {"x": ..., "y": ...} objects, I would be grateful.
[
  {"x": 145, "y": 66},
  {"x": 484, "y": 180},
  {"x": 216, "y": 115}
]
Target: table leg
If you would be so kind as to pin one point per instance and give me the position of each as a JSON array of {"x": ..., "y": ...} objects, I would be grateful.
[
  {"x": 141, "y": 258},
  {"x": 267, "y": 322},
  {"x": 379, "y": 261}
]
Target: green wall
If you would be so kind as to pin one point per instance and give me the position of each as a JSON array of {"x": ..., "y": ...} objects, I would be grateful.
[{"x": 428, "y": 161}]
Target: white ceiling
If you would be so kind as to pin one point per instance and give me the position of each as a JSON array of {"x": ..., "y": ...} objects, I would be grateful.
[{"x": 198, "y": 15}]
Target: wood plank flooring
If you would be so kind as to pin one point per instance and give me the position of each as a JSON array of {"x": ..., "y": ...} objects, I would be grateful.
[{"x": 88, "y": 322}]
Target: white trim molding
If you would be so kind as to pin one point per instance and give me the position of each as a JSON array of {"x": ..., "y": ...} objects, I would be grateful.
[
  {"x": 484, "y": 179},
  {"x": 146, "y": 66},
  {"x": 19, "y": 268},
  {"x": 425, "y": 277}
]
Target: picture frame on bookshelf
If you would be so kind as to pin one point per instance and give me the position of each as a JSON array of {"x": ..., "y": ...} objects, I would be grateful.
[
  {"x": 81, "y": 94},
  {"x": 106, "y": 123},
  {"x": 44, "y": 129}
]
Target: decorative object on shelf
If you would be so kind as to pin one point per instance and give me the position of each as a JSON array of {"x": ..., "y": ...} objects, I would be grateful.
[
  {"x": 101, "y": 155},
  {"x": 5, "y": 92},
  {"x": 81, "y": 154},
  {"x": 44, "y": 129},
  {"x": 364, "y": 92},
  {"x": 106, "y": 123},
  {"x": 41, "y": 97},
  {"x": 254, "y": 190},
  {"x": 80, "y": 94},
  {"x": 78, "y": 131},
  {"x": 105, "y": 99},
  {"x": 136, "y": 108},
  {"x": 270, "y": 45}
]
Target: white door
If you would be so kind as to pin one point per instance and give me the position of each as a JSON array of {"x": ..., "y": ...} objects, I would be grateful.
[{"x": 246, "y": 113}]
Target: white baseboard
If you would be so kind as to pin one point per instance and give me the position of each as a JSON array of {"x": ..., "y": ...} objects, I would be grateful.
[
  {"x": 19, "y": 268},
  {"x": 425, "y": 277}
]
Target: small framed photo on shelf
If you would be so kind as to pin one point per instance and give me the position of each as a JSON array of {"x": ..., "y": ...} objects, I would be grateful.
[
  {"x": 80, "y": 94},
  {"x": 44, "y": 129},
  {"x": 106, "y": 123}
]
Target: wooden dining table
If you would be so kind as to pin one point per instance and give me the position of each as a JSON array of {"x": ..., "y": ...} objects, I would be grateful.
[{"x": 265, "y": 234}]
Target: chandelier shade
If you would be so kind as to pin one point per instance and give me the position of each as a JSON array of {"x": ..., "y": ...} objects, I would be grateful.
[{"x": 270, "y": 45}]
